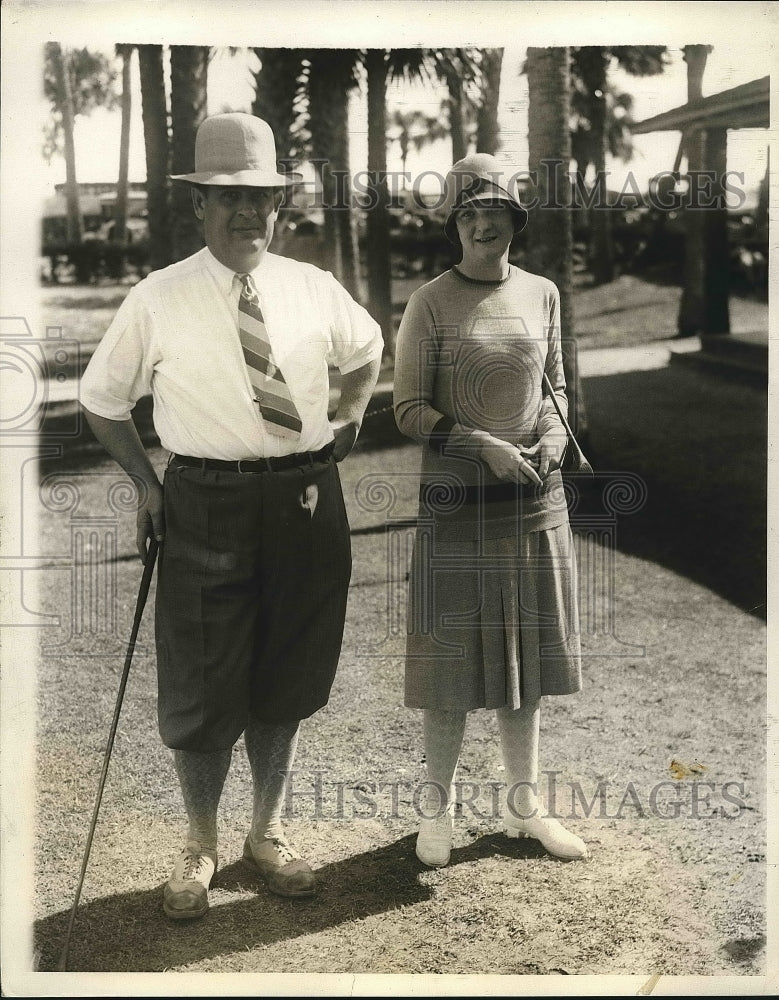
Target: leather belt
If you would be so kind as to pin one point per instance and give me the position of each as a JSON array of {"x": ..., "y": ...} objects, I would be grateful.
[
  {"x": 255, "y": 465},
  {"x": 444, "y": 498}
]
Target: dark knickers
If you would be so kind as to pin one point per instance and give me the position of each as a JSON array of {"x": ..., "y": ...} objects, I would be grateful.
[{"x": 252, "y": 584}]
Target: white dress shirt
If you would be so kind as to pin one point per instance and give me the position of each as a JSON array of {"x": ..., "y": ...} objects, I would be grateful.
[{"x": 176, "y": 336}]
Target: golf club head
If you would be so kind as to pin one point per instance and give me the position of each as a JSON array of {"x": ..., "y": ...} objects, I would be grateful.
[{"x": 581, "y": 465}]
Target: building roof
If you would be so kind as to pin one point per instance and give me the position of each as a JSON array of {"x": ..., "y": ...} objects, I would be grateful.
[
  {"x": 57, "y": 206},
  {"x": 746, "y": 106}
]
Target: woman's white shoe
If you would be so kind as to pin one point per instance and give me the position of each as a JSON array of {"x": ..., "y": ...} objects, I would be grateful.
[
  {"x": 552, "y": 834},
  {"x": 434, "y": 841}
]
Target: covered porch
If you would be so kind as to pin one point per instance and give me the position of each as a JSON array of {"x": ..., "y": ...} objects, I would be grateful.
[{"x": 705, "y": 303}]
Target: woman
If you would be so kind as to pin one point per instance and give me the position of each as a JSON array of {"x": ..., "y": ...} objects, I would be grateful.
[{"x": 493, "y": 618}]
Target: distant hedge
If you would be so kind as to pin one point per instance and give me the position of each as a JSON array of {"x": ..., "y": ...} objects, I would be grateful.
[{"x": 93, "y": 259}]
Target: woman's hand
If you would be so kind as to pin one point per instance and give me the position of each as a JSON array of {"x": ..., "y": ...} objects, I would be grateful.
[
  {"x": 508, "y": 462},
  {"x": 547, "y": 453}
]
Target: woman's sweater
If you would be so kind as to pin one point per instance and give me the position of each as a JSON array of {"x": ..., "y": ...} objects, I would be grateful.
[{"x": 470, "y": 355}]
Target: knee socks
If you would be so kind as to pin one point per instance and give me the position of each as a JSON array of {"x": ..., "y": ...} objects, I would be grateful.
[
  {"x": 202, "y": 777},
  {"x": 443, "y": 733},
  {"x": 271, "y": 752},
  {"x": 519, "y": 730}
]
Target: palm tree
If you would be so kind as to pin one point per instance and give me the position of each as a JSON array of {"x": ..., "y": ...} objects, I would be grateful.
[
  {"x": 457, "y": 113},
  {"x": 280, "y": 100},
  {"x": 619, "y": 138},
  {"x": 550, "y": 230},
  {"x": 597, "y": 130},
  {"x": 155, "y": 131},
  {"x": 414, "y": 130},
  {"x": 304, "y": 96},
  {"x": 326, "y": 78},
  {"x": 75, "y": 82},
  {"x": 377, "y": 236},
  {"x": 487, "y": 128},
  {"x": 332, "y": 74},
  {"x": 382, "y": 65},
  {"x": 460, "y": 70},
  {"x": 278, "y": 92},
  {"x": 761, "y": 212},
  {"x": 188, "y": 105},
  {"x": 64, "y": 85},
  {"x": 125, "y": 53},
  {"x": 591, "y": 63}
]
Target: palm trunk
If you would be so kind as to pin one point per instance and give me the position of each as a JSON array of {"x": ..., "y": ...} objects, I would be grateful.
[
  {"x": 550, "y": 231},
  {"x": 188, "y": 105},
  {"x": 602, "y": 246},
  {"x": 378, "y": 251},
  {"x": 120, "y": 210},
  {"x": 487, "y": 128},
  {"x": 328, "y": 93},
  {"x": 761, "y": 213},
  {"x": 457, "y": 116},
  {"x": 155, "y": 131},
  {"x": 74, "y": 220},
  {"x": 276, "y": 87}
]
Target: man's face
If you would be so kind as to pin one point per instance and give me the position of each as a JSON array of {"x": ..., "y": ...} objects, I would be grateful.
[{"x": 238, "y": 222}]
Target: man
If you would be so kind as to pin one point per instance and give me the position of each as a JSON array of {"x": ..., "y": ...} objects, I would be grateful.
[{"x": 235, "y": 344}]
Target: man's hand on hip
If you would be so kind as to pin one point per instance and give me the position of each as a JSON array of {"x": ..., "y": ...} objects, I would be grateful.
[
  {"x": 121, "y": 441},
  {"x": 345, "y": 433},
  {"x": 356, "y": 389}
]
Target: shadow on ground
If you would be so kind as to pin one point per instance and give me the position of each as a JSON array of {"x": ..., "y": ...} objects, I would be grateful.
[
  {"x": 698, "y": 443},
  {"x": 373, "y": 882}
]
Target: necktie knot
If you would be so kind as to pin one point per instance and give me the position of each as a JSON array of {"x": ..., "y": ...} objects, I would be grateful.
[{"x": 248, "y": 288}]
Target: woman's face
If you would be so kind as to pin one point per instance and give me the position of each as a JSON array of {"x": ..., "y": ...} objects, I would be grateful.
[{"x": 485, "y": 231}]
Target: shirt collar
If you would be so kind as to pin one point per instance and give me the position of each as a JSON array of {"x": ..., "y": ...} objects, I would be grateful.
[{"x": 223, "y": 275}]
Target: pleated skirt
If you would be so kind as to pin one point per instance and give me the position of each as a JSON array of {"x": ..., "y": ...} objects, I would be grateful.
[{"x": 492, "y": 622}]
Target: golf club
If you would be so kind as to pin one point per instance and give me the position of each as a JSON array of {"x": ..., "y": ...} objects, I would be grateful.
[
  {"x": 143, "y": 591},
  {"x": 580, "y": 462}
]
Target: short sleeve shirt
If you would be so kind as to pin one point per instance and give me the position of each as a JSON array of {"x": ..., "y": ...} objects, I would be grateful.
[{"x": 176, "y": 336}]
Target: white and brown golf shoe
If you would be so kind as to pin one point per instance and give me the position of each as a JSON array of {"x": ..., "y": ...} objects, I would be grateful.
[{"x": 185, "y": 896}]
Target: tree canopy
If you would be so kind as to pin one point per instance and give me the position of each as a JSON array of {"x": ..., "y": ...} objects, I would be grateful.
[{"x": 92, "y": 77}]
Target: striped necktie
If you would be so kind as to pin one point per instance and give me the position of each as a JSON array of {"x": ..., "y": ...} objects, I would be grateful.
[{"x": 271, "y": 390}]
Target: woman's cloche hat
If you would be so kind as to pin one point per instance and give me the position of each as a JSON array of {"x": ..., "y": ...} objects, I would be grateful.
[
  {"x": 236, "y": 149},
  {"x": 478, "y": 177}
]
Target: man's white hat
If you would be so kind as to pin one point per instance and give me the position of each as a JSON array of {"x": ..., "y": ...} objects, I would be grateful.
[{"x": 236, "y": 149}]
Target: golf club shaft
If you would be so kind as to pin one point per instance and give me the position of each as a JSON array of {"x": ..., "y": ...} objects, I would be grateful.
[
  {"x": 143, "y": 592},
  {"x": 583, "y": 464}
]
